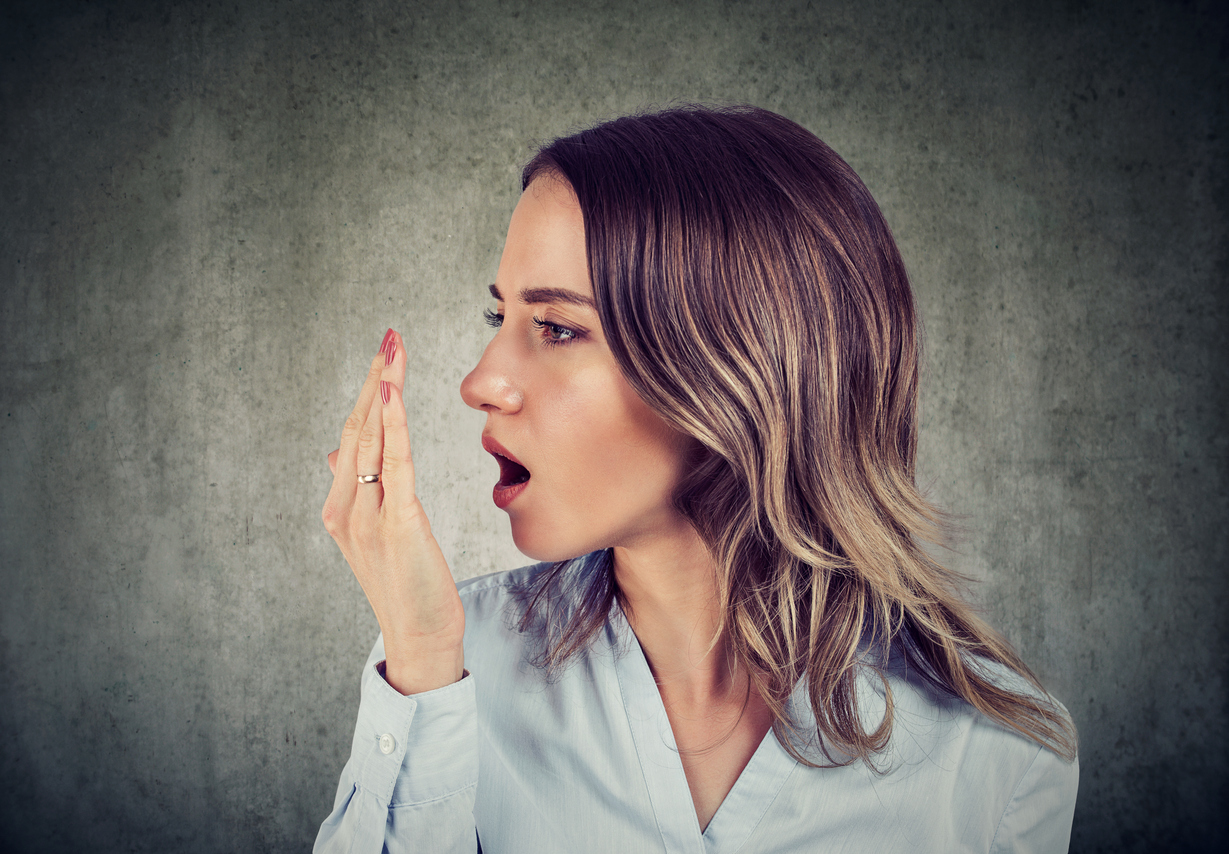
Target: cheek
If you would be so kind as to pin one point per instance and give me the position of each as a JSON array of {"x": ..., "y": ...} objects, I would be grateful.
[{"x": 620, "y": 452}]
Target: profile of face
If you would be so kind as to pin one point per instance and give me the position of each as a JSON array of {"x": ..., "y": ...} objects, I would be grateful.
[{"x": 584, "y": 462}]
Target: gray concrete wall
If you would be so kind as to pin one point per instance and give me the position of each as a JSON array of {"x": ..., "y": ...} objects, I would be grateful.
[{"x": 209, "y": 213}]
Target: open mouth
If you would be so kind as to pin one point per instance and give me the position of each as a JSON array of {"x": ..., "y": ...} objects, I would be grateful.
[
  {"x": 513, "y": 477},
  {"x": 511, "y": 472}
]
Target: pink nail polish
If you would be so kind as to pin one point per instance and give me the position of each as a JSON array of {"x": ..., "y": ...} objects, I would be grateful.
[
  {"x": 388, "y": 336},
  {"x": 385, "y": 391},
  {"x": 390, "y": 352}
]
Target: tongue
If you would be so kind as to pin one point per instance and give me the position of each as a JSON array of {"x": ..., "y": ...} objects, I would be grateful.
[{"x": 511, "y": 473}]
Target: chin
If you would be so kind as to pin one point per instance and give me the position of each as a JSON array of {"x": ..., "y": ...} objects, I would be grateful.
[{"x": 542, "y": 545}]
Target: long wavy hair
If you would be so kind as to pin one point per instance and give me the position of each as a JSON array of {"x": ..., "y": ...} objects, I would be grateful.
[{"x": 753, "y": 296}]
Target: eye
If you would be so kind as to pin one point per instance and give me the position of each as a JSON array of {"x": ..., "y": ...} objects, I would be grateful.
[
  {"x": 553, "y": 334},
  {"x": 492, "y": 319}
]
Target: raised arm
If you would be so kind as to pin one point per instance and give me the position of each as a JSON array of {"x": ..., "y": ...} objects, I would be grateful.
[{"x": 410, "y": 779}]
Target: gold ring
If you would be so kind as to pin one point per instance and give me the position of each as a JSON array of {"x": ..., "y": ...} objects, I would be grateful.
[{"x": 368, "y": 478}]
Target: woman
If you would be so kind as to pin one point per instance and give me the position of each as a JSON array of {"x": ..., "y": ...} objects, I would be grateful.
[{"x": 702, "y": 396}]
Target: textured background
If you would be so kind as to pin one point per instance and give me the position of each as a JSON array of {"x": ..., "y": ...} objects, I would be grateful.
[{"x": 211, "y": 212}]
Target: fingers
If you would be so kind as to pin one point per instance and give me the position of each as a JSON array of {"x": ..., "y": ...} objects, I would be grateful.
[
  {"x": 397, "y": 465},
  {"x": 333, "y": 462},
  {"x": 394, "y": 371},
  {"x": 345, "y": 462},
  {"x": 369, "y": 458},
  {"x": 347, "y": 453}
]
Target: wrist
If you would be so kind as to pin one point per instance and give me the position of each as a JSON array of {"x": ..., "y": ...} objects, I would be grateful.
[{"x": 410, "y": 671}]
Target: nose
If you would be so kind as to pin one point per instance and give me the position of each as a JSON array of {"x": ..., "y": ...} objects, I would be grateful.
[{"x": 490, "y": 386}]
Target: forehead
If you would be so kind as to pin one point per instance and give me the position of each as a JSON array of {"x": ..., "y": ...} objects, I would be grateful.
[{"x": 545, "y": 247}]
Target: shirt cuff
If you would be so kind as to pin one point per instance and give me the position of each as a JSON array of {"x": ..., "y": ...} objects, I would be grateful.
[{"x": 415, "y": 748}]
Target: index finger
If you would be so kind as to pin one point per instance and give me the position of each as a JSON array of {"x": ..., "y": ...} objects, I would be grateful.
[{"x": 345, "y": 471}]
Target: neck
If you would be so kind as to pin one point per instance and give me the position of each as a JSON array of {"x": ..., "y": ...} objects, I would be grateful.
[{"x": 669, "y": 587}]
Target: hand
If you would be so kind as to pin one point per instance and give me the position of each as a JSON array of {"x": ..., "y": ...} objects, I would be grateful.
[{"x": 385, "y": 536}]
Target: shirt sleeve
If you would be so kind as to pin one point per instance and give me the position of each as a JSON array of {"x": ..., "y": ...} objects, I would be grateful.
[
  {"x": 410, "y": 781},
  {"x": 1038, "y": 816}
]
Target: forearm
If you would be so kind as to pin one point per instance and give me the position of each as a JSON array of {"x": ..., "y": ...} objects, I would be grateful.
[{"x": 411, "y": 778}]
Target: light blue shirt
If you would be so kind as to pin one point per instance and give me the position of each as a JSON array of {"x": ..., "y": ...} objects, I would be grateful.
[{"x": 587, "y": 762}]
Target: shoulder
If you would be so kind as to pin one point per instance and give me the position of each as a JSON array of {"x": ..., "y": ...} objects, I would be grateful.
[
  {"x": 524, "y": 605},
  {"x": 993, "y": 772},
  {"x": 931, "y": 718},
  {"x": 567, "y": 579},
  {"x": 498, "y": 583},
  {"x": 495, "y": 598}
]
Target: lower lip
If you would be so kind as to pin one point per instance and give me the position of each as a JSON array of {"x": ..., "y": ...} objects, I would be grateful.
[{"x": 505, "y": 495}]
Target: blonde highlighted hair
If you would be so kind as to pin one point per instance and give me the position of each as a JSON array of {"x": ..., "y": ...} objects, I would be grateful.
[{"x": 753, "y": 296}]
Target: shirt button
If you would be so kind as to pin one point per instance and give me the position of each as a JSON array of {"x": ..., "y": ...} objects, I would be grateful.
[{"x": 387, "y": 744}]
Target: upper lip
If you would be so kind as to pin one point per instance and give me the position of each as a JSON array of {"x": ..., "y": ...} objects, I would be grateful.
[{"x": 493, "y": 447}]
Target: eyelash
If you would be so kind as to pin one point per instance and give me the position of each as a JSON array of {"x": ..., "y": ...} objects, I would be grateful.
[{"x": 496, "y": 320}]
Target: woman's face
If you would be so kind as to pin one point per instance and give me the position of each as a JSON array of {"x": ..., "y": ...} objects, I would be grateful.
[{"x": 584, "y": 463}]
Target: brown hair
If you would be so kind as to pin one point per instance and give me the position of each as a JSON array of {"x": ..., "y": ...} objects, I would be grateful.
[{"x": 753, "y": 296}]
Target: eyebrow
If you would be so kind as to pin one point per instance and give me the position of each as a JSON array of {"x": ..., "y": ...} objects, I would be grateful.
[{"x": 536, "y": 296}]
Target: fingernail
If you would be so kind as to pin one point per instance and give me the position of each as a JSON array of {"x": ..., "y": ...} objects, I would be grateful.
[
  {"x": 390, "y": 352},
  {"x": 385, "y": 391},
  {"x": 388, "y": 336}
]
